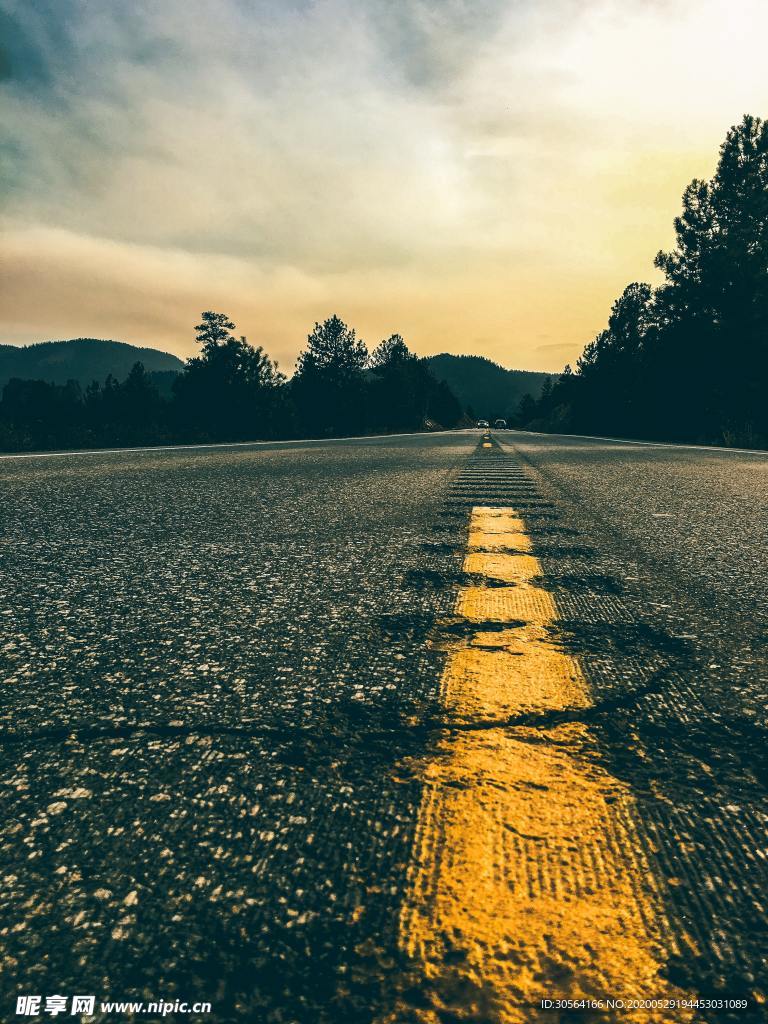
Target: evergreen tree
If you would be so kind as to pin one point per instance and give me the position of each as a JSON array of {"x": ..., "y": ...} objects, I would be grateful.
[
  {"x": 443, "y": 407},
  {"x": 611, "y": 365},
  {"x": 214, "y": 331},
  {"x": 527, "y": 411},
  {"x": 714, "y": 306},
  {"x": 329, "y": 388},
  {"x": 231, "y": 391},
  {"x": 401, "y": 386},
  {"x": 389, "y": 353},
  {"x": 689, "y": 361}
]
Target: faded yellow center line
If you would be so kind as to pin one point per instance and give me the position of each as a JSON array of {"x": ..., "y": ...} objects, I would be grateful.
[
  {"x": 506, "y": 568},
  {"x": 498, "y": 532},
  {"x": 530, "y": 605},
  {"x": 501, "y": 675},
  {"x": 528, "y": 879}
]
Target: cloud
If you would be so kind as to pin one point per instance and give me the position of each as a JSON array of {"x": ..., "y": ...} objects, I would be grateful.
[
  {"x": 277, "y": 133},
  {"x": 461, "y": 169},
  {"x": 560, "y": 347},
  {"x": 154, "y": 295}
]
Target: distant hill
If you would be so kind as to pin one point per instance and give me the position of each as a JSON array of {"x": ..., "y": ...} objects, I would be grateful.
[
  {"x": 484, "y": 386},
  {"x": 83, "y": 360}
]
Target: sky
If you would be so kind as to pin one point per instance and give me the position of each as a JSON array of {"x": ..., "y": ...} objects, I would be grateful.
[{"x": 480, "y": 176}]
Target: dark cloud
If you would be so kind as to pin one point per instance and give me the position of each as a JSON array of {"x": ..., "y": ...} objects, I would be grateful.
[{"x": 25, "y": 45}]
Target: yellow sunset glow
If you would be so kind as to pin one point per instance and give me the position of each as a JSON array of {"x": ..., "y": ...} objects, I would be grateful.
[{"x": 482, "y": 181}]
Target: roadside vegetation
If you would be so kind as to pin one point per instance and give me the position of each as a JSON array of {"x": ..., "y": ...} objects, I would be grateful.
[
  {"x": 233, "y": 391},
  {"x": 688, "y": 360}
]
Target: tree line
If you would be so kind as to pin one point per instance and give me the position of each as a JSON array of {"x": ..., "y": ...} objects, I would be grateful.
[
  {"x": 684, "y": 361},
  {"x": 233, "y": 391},
  {"x": 688, "y": 360}
]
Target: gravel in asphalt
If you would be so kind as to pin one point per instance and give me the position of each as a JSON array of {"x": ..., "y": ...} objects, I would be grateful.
[{"x": 221, "y": 672}]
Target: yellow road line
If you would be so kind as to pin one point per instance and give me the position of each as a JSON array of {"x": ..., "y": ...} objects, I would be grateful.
[
  {"x": 528, "y": 879},
  {"x": 501, "y": 566}
]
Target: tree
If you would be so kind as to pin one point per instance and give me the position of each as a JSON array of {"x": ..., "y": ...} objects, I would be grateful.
[
  {"x": 400, "y": 387},
  {"x": 405, "y": 392},
  {"x": 689, "y": 360},
  {"x": 715, "y": 301},
  {"x": 214, "y": 331},
  {"x": 328, "y": 387},
  {"x": 389, "y": 353},
  {"x": 134, "y": 408},
  {"x": 333, "y": 351},
  {"x": 40, "y": 415},
  {"x": 526, "y": 410},
  {"x": 231, "y": 391},
  {"x": 611, "y": 366},
  {"x": 444, "y": 407}
]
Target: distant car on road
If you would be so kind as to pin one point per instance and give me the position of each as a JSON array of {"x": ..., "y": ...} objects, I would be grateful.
[
  {"x": 483, "y": 423},
  {"x": 500, "y": 425}
]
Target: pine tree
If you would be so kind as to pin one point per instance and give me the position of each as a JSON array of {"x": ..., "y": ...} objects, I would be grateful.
[{"x": 328, "y": 387}]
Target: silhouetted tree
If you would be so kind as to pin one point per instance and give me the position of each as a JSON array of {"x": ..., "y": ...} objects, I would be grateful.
[
  {"x": 328, "y": 388},
  {"x": 610, "y": 366},
  {"x": 527, "y": 410},
  {"x": 400, "y": 387},
  {"x": 689, "y": 361},
  {"x": 391, "y": 352},
  {"x": 39, "y": 415},
  {"x": 444, "y": 407},
  {"x": 134, "y": 408},
  {"x": 231, "y": 391},
  {"x": 714, "y": 307},
  {"x": 214, "y": 330},
  {"x": 404, "y": 391}
]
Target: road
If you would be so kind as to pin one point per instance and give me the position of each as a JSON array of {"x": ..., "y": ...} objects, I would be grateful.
[{"x": 391, "y": 730}]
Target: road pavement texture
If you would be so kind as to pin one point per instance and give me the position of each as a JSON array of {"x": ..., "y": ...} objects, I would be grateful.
[{"x": 409, "y": 729}]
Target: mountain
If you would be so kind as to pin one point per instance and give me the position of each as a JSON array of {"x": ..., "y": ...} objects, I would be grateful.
[
  {"x": 483, "y": 386},
  {"x": 488, "y": 389},
  {"x": 83, "y": 360}
]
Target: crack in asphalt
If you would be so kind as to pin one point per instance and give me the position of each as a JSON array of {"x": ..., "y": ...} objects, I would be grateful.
[
  {"x": 527, "y": 720},
  {"x": 402, "y": 725}
]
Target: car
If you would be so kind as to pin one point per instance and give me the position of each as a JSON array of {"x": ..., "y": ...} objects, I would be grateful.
[
  {"x": 500, "y": 425},
  {"x": 483, "y": 424}
]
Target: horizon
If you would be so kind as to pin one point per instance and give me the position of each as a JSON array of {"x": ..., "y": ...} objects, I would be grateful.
[
  {"x": 483, "y": 182},
  {"x": 119, "y": 341}
]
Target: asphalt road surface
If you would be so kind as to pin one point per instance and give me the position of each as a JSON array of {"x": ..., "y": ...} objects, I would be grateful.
[{"x": 408, "y": 729}]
